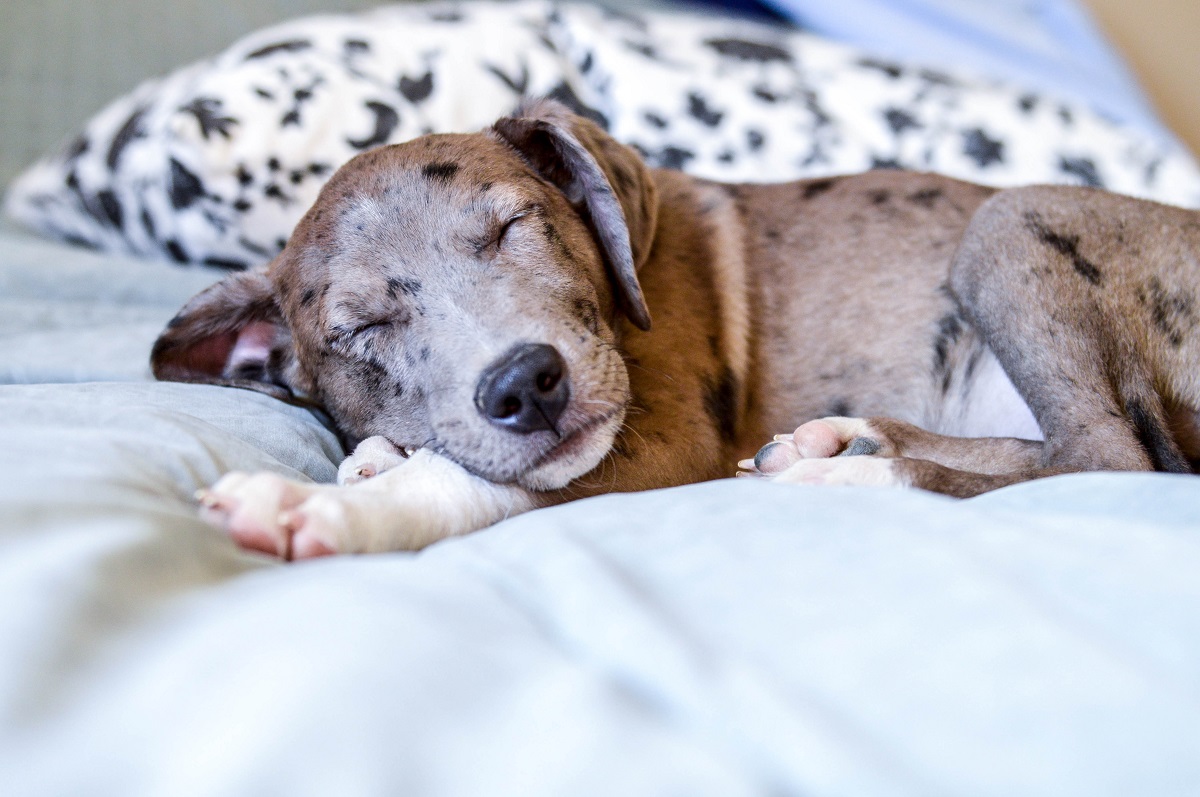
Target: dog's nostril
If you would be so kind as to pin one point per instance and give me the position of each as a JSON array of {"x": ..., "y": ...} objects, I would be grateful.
[
  {"x": 509, "y": 407},
  {"x": 526, "y": 390}
]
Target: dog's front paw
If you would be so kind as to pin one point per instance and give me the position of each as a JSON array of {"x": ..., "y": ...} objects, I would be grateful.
[
  {"x": 259, "y": 511},
  {"x": 819, "y": 440},
  {"x": 370, "y": 458}
]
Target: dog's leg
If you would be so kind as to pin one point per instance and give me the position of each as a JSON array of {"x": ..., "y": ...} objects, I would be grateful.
[
  {"x": 418, "y": 501},
  {"x": 888, "y": 452},
  {"x": 1087, "y": 301},
  {"x": 1085, "y": 298}
]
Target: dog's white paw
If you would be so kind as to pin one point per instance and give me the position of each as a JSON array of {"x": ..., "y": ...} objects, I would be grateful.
[
  {"x": 410, "y": 505},
  {"x": 820, "y": 439},
  {"x": 262, "y": 512},
  {"x": 370, "y": 458},
  {"x": 843, "y": 451}
]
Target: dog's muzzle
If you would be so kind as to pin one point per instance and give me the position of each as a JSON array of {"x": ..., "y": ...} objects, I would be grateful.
[{"x": 526, "y": 390}]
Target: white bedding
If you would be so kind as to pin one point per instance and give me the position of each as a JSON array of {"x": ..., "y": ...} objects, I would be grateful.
[{"x": 727, "y": 638}]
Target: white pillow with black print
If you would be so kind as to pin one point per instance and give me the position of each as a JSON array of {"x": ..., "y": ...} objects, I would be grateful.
[{"x": 216, "y": 162}]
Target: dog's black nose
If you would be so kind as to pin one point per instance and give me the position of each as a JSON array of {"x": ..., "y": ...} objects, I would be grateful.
[{"x": 525, "y": 390}]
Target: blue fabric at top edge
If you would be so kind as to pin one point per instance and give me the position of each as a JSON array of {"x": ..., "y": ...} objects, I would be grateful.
[{"x": 1050, "y": 46}]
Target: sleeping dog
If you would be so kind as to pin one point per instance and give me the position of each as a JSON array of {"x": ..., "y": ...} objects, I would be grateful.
[{"x": 475, "y": 313}]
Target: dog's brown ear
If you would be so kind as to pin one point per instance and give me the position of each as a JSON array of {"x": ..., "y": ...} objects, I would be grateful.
[
  {"x": 599, "y": 175},
  {"x": 232, "y": 333}
]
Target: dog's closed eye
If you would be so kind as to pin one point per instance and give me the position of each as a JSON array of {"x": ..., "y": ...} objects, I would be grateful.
[
  {"x": 346, "y": 338},
  {"x": 495, "y": 239}
]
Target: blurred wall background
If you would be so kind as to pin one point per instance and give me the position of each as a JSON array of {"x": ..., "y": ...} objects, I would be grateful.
[{"x": 1161, "y": 41}]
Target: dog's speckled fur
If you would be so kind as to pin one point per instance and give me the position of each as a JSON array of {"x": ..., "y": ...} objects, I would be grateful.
[{"x": 696, "y": 319}]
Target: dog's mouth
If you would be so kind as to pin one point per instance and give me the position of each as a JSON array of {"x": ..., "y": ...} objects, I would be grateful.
[
  {"x": 572, "y": 443},
  {"x": 578, "y": 452}
]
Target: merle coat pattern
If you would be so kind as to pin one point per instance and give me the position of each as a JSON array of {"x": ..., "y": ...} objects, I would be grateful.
[{"x": 527, "y": 315}]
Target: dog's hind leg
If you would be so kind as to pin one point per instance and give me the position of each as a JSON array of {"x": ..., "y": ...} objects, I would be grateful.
[{"x": 1089, "y": 302}]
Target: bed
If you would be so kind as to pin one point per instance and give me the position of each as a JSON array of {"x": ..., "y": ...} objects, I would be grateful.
[{"x": 726, "y": 638}]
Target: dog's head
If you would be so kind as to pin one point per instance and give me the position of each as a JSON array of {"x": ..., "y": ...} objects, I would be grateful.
[{"x": 458, "y": 292}]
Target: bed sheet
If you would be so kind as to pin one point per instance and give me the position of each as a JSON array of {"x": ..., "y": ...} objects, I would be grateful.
[
  {"x": 726, "y": 638},
  {"x": 68, "y": 314}
]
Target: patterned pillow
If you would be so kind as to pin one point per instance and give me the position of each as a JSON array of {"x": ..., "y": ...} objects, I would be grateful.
[{"x": 216, "y": 162}]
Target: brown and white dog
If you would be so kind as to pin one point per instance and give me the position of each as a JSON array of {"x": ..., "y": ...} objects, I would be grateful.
[{"x": 476, "y": 310}]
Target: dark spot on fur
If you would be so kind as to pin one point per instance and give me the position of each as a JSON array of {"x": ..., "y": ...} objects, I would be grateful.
[
  {"x": 620, "y": 446},
  {"x": 1066, "y": 245},
  {"x": 308, "y": 297},
  {"x": 720, "y": 400},
  {"x": 1173, "y": 313},
  {"x": 861, "y": 447},
  {"x": 840, "y": 408},
  {"x": 370, "y": 373},
  {"x": 879, "y": 197},
  {"x": 424, "y": 354},
  {"x": 925, "y": 198},
  {"x": 815, "y": 188},
  {"x": 407, "y": 286},
  {"x": 949, "y": 329},
  {"x": 1163, "y": 451},
  {"x": 588, "y": 314},
  {"x": 441, "y": 171},
  {"x": 972, "y": 364}
]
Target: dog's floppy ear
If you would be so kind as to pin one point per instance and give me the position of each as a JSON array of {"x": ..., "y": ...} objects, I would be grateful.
[
  {"x": 599, "y": 175},
  {"x": 232, "y": 333}
]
